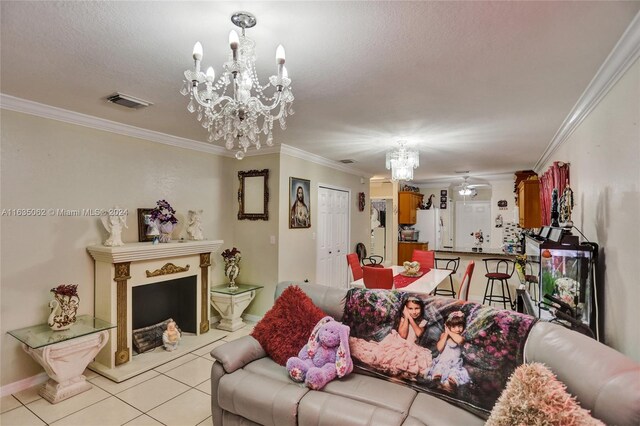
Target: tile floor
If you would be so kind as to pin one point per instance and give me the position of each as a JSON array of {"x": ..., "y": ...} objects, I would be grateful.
[{"x": 176, "y": 393}]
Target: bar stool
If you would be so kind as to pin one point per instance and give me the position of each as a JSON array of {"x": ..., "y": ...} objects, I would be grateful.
[
  {"x": 452, "y": 265},
  {"x": 531, "y": 271},
  {"x": 498, "y": 269}
]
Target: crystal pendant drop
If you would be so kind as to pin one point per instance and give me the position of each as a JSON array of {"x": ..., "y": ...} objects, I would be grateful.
[
  {"x": 210, "y": 138},
  {"x": 191, "y": 107},
  {"x": 239, "y": 155},
  {"x": 185, "y": 89}
]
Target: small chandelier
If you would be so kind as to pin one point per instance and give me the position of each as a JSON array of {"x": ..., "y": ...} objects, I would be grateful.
[
  {"x": 401, "y": 162},
  {"x": 227, "y": 107}
]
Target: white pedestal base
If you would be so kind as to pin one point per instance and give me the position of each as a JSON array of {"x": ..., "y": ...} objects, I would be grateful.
[
  {"x": 65, "y": 362},
  {"x": 231, "y": 307}
]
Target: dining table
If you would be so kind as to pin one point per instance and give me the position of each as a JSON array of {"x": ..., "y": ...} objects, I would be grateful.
[{"x": 424, "y": 284}]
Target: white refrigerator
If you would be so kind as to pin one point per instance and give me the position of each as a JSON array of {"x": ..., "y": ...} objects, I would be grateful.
[{"x": 430, "y": 224}]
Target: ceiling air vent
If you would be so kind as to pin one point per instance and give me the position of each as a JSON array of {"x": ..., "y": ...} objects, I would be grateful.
[
  {"x": 347, "y": 161},
  {"x": 128, "y": 101}
]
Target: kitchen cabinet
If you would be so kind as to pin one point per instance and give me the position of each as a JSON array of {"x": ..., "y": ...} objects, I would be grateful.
[
  {"x": 405, "y": 250},
  {"x": 408, "y": 203},
  {"x": 529, "y": 204}
]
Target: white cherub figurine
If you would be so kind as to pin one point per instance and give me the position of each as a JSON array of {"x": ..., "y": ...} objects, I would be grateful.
[
  {"x": 171, "y": 336},
  {"x": 113, "y": 223},
  {"x": 194, "y": 229}
]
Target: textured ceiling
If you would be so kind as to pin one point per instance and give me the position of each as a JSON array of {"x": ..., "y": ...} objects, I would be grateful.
[{"x": 479, "y": 86}]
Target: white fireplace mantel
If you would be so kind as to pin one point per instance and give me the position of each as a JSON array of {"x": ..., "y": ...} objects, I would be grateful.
[
  {"x": 133, "y": 252},
  {"x": 119, "y": 269}
]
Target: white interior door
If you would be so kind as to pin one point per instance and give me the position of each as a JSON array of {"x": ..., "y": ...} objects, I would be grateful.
[
  {"x": 470, "y": 217},
  {"x": 333, "y": 237}
]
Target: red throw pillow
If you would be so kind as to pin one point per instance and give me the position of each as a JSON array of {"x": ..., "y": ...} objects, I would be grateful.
[{"x": 286, "y": 327}]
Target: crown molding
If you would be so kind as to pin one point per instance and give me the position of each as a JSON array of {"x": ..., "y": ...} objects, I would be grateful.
[
  {"x": 313, "y": 158},
  {"x": 624, "y": 54},
  {"x": 13, "y": 103},
  {"x": 46, "y": 111}
]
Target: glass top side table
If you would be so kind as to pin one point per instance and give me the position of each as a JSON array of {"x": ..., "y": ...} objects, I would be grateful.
[
  {"x": 41, "y": 335},
  {"x": 241, "y": 288},
  {"x": 231, "y": 303},
  {"x": 64, "y": 354}
]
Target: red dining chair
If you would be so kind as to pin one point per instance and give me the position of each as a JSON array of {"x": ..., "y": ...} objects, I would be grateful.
[
  {"x": 465, "y": 284},
  {"x": 354, "y": 264},
  {"x": 427, "y": 259},
  {"x": 377, "y": 277}
]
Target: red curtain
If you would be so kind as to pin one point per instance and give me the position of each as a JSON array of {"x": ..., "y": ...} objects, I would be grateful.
[{"x": 557, "y": 176}]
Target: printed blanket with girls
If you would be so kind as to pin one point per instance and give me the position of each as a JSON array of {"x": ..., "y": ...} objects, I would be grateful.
[{"x": 463, "y": 352}]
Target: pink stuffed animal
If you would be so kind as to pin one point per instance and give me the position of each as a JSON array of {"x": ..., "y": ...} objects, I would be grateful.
[{"x": 325, "y": 357}]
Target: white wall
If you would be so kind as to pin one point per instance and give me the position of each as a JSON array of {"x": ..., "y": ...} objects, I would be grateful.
[
  {"x": 604, "y": 152},
  {"x": 51, "y": 164},
  {"x": 297, "y": 259},
  {"x": 259, "y": 264}
]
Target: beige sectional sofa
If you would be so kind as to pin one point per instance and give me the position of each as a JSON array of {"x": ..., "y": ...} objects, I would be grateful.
[{"x": 249, "y": 388}]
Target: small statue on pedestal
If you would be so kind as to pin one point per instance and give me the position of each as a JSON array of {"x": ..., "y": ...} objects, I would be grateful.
[
  {"x": 194, "y": 229},
  {"x": 171, "y": 337}
]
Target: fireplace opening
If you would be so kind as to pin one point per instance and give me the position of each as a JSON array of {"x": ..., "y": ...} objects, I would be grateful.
[{"x": 154, "y": 303}]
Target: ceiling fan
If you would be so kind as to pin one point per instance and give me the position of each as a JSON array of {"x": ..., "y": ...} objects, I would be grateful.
[{"x": 469, "y": 189}]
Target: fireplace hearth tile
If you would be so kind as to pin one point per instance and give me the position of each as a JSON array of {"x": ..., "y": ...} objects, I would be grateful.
[{"x": 158, "y": 358}]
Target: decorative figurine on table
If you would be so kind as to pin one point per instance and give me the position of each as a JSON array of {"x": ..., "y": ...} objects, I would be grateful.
[
  {"x": 566, "y": 205},
  {"x": 194, "y": 228},
  {"x": 171, "y": 336},
  {"x": 113, "y": 223},
  {"x": 231, "y": 266},
  {"x": 554, "y": 208},
  {"x": 479, "y": 236}
]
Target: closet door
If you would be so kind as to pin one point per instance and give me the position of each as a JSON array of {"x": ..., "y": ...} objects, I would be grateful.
[{"x": 333, "y": 237}]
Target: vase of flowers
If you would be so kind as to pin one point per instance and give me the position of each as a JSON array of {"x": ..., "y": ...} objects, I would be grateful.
[
  {"x": 231, "y": 266},
  {"x": 64, "y": 307},
  {"x": 164, "y": 215}
]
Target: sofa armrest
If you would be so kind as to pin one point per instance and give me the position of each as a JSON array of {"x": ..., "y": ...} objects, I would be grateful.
[{"x": 238, "y": 353}]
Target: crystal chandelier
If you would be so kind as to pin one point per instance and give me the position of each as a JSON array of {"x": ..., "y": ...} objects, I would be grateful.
[
  {"x": 401, "y": 162},
  {"x": 235, "y": 107}
]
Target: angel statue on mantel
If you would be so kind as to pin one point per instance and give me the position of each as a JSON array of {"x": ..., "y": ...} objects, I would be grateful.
[
  {"x": 113, "y": 223},
  {"x": 194, "y": 229}
]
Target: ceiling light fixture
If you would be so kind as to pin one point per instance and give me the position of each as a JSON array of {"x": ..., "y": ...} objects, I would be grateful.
[
  {"x": 401, "y": 162},
  {"x": 465, "y": 191},
  {"x": 234, "y": 113}
]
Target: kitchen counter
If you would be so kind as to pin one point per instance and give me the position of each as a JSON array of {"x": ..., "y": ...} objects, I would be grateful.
[{"x": 467, "y": 250}]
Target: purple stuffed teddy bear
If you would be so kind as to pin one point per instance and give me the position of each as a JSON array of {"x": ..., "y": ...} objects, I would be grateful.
[{"x": 325, "y": 357}]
